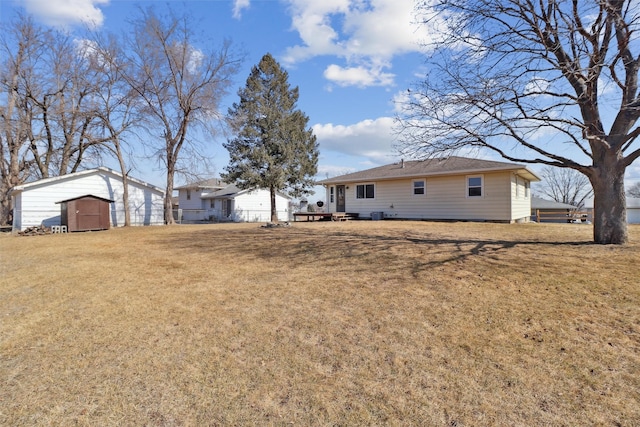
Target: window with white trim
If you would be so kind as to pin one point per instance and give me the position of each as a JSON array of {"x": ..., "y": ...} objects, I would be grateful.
[
  {"x": 419, "y": 187},
  {"x": 522, "y": 188},
  {"x": 332, "y": 193},
  {"x": 475, "y": 186},
  {"x": 365, "y": 191},
  {"x": 188, "y": 194}
]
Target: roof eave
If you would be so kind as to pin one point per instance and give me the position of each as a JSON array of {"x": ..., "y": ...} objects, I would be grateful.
[
  {"x": 522, "y": 171},
  {"x": 22, "y": 187}
]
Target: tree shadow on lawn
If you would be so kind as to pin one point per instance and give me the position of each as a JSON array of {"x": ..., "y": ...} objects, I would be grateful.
[{"x": 339, "y": 249}]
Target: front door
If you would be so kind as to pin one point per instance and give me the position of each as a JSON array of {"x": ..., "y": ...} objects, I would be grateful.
[
  {"x": 340, "y": 206},
  {"x": 227, "y": 208}
]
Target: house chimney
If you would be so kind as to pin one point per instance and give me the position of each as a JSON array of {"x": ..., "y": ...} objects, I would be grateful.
[{"x": 402, "y": 163}]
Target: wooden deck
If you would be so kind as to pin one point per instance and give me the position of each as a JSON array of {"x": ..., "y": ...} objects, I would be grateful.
[{"x": 324, "y": 216}]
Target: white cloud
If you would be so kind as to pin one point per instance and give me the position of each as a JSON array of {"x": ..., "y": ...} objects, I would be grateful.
[
  {"x": 366, "y": 34},
  {"x": 632, "y": 174},
  {"x": 358, "y": 76},
  {"x": 86, "y": 48},
  {"x": 194, "y": 60},
  {"x": 370, "y": 140},
  {"x": 238, "y": 6},
  {"x": 62, "y": 13},
  {"x": 329, "y": 171}
]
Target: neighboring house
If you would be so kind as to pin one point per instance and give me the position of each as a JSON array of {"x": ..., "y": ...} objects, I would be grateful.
[
  {"x": 215, "y": 200},
  {"x": 633, "y": 209},
  {"x": 453, "y": 188},
  {"x": 38, "y": 202},
  {"x": 550, "y": 210}
]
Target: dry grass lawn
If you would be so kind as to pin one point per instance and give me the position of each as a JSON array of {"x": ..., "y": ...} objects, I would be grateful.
[{"x": 355, "y": 323}]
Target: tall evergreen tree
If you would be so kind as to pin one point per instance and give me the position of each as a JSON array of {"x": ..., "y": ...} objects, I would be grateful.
[{"x": 272, "y": 149}]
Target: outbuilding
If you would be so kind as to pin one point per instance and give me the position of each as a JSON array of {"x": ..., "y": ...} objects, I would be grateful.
[
  {"x": 38, "y": 203},
  {"x": 85, "y": 213}
]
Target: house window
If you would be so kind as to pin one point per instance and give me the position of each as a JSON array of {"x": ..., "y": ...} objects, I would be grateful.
[
  {"x": 522, "y": 188},
  {"x": 365, "y": 191},
  {"x": 419, "y": 188},
  {"x": 188, "y": 194},
  {"x": 474, "y": 186},
  {"x": 332, "y": 191},
  {"x": 212, "y": 204}
]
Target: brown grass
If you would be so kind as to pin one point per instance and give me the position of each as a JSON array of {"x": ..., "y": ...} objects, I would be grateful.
[{"x": 357, "y": 323}]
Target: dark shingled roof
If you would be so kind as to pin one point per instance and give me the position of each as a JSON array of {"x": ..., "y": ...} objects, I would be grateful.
[
  {"x": 540, "y": 203},
  {"x": 213, "y": 183},
  {"x": 228, "y": 191},
  {"x": 431, "y": 167}
]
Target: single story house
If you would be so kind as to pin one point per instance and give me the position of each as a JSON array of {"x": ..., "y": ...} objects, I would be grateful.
[
  {"x": 550, "y": 210},
  {"x": 215, "y": 200},
  {"x": 38, "y": 203},
  {"x": 451, "y": 188}
]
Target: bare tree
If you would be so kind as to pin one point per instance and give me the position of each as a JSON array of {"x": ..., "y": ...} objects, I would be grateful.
[
  {"x": 116, "y": 107},
  {"x": 528, "y": 80},
  {"x": 45, "y": 117},
  {"x": 21, "y": 44},
  {"x": 565, "y": 186},
  {"x": 180, "y": 84},
  {"x": 60, "y": 91},
  {"x": 634, "y": 190}
]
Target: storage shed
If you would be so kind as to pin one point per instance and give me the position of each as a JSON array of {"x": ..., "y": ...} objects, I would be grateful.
[
  {"x": 38, "y": 203},
  {"x": 85, "y": 213}
]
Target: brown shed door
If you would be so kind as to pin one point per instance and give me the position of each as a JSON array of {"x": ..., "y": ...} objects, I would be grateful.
[{"x": 88, "y": 214}]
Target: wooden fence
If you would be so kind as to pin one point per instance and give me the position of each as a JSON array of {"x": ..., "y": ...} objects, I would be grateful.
[{"x": 563, "y": 216}]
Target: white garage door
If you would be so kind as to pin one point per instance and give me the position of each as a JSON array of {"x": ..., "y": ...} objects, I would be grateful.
[{"x": 633, "y": 216}]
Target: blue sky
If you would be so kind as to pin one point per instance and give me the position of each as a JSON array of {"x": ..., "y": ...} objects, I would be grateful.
[{"x": 350, "y": 59}]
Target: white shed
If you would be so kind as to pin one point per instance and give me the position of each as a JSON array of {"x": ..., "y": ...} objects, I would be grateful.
[{"x": 35, "y": 203}]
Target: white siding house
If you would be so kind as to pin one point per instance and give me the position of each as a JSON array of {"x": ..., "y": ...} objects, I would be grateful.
[
  {"x": 454, "y": 188},
  {"x": 36, "y": 203},
  {"x": 633, "y": 210},
  {"x": 214, "y": 200}
]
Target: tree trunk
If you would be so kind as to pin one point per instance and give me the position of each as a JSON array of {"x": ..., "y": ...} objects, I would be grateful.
[
  {"x": 168, "y": 199},
  {"x": 274, "y": 210},
  {"x": 609, "y": 204},
  {"x": 125, "y": 196},
  {"x": 125, "y": 181},
  {"x": 6, "y": 209}
]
